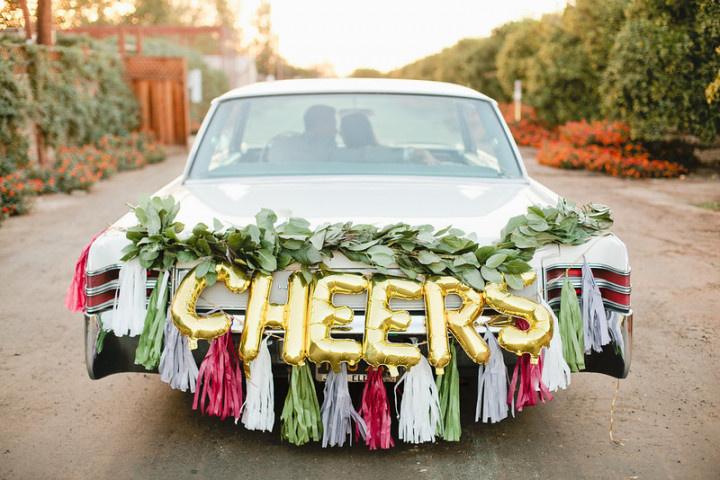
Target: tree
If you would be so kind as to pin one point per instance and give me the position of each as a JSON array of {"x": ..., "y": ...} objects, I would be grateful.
[
  {"x": 660, "y": 66},
  {"x": 517, "y": 53},
  {"x": 44, "y": 22},
  {"x": 366, "y": 73}
]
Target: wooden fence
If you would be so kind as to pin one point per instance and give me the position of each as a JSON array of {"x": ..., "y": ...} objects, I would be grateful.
[{"x": 159, "y": 84}]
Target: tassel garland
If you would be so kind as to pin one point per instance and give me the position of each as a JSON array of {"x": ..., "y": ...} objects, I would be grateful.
[
  {"x": 128, "y": 315},
  {"x": 419, "y": 419},
  {"x": 492, "y": 385},
  {"x": 76, "y": 299},
  {"x": 555, "y": 372},
  {"x": 529, "y": 376},
  {"x": 338, "y": 412},
  {"x": 375, "y": 411},
  {"x": 300, "y": 417},
  {"x": 149, "y": 346},
  {"x": 595, "y": 323},
  {"x": 177, "y": 364},
  {"x": 448, "y": 385},
  {"x": 571, "y": 328},
  {"x": 259, "y": 409},
  {"x": 220, "y": 380}
]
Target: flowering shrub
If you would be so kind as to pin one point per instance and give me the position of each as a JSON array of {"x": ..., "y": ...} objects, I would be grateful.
[
  {"x": 529, "y": 131},
  {"x": 598, "y": 132},
  {"x": 15, "y": 194},
  {"x": 630, "y": 161}
]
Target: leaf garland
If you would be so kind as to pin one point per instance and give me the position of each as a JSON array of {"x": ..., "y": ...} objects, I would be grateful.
[{"x": 267, "y": 246}]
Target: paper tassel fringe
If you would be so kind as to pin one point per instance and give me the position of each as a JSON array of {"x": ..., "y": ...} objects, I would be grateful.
[
  {"x": 529, "y": 376},
  {"x": 419, "y": 419},
  {"x": 448, "y": 385},
  {"x": 556, "y": 372},
  {"x": 75, "y": 299},
  {"x": 220, "y": 380},
  {"x": 595, "y": 322},
  {"x": 571, "y": 328},
  {"x": 300, "y": 417},
  {"x": 149, "y": 346},
  {"x": 259, "y": 409},
  {"x": 128, "y": 315},
  {"x": 338, "y": 412},
  {"x": 492, "y": 385},
  {"x": 375, "y": 410},
  {"x": 177, "y": 364}
]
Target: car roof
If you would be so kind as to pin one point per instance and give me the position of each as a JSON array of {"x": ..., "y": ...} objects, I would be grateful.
[{"x": 353, "y": 85}]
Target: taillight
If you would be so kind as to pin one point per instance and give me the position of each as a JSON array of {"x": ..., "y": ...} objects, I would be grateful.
[
  {"x": 101, "y": 286},
  {"x": 614, "y": 284}
]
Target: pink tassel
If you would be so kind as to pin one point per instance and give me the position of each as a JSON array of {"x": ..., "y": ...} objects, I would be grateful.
[
  {"x": 75, "y": 299},
  {"x": 530, "y": 377},
  {"x": 375, "y": 410},
  {"x": 220, "y": 380},
  {"x": 531, "y": 384}
]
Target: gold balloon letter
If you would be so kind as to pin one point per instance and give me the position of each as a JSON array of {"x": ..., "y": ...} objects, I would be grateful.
[
  {"x": 183, "y": 305},
  {"x": 380, "y": 319},
  {"x": 260, "y": 313},
  {"x": 321, "y": 347},
  {"x": 512, "y": 338},
  {"x": 461, "y": 322}
]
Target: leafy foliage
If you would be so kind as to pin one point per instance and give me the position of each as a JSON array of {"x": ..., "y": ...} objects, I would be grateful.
[
  {"x": 413, "y": 250},
  {"x": 662, "y": 61},
  {"x": 75, "y": 94}
]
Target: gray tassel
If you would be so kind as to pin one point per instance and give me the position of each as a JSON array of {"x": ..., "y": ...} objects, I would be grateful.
[
  {"x": 616, "y": 334},
  {"x": 177, "y": 364},
  {"x": 338, "y": 411},
  {"x": 492, "y": 385},
  {"x": 595, "y": 323}
]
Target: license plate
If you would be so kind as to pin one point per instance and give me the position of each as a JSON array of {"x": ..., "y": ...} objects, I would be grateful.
[{"x": 321, "y": 373}]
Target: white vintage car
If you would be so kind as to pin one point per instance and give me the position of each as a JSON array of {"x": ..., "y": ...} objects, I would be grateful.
[{"x": 367, "y": 151}]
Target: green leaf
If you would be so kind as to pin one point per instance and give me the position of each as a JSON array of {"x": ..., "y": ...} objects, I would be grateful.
[
  {"x": 491, "y": 275},
  {"x": 473, "y": 278},
  {"x": 381, "y": 255},
  {"x": 495, "y": 260},
  {"x": 265, "y": 219},
  {"x": 267, "y": 261},
  {"x": 514, "y": 281},
  {"x": 426, "y": 257},
  {"x": 515, "y": 266}
]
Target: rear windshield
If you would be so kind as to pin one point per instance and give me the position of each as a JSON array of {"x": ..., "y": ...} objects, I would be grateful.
[{"x": 355, "y": 134}]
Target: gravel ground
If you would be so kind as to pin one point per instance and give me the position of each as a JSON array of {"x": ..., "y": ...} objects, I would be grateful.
[{"x": 56, "y": 423}]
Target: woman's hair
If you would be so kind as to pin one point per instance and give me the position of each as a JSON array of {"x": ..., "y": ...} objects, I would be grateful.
[{"x": 356, "y": 130}]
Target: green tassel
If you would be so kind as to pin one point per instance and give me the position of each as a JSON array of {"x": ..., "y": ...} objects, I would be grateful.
[
  {"x": 149, "y": 347},
  {"x": 448, "y": 385},
  {"x": 301, "y": 421},
  {"x": 571, "y": 328}
]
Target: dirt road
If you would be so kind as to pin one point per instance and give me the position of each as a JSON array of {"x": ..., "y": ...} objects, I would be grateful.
[{"x": 56, "y": 423}]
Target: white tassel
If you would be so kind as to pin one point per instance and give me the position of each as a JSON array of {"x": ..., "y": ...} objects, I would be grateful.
[
  {"x": 338, "y": 412},
  {"x": 492, "y": 385},
  {"x": 556, "y": 372},
  {"x": 419, "y": 419},
  {"x": 130, "y": 305},
  {"x": 259, "y": 409},
  {"x": 595, "y": 323},
  {"x": 177, "y": 364}
]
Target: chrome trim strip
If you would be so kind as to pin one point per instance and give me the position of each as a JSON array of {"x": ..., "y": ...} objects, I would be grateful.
[
  {"x": 106, "y": 268},
  {"x": 592, "y": 265},
  {"x": 577, "y": 282},
  {"x": 112, "y": 285},
  {"x": 608, "y": 304}
]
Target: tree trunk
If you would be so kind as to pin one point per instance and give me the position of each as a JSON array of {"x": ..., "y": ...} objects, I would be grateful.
[
  {"x": 26, "y": 18},
  {"x": 44, "y": 22}
]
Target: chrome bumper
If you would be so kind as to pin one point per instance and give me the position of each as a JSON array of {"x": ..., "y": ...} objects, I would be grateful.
[{"x": 118, "y": 353}]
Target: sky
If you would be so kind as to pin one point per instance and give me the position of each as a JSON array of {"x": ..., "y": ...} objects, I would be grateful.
[{"x": 384, "y": 34}]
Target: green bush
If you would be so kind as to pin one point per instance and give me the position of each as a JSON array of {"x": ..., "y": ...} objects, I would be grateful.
[
  {"x": 662, "y": 61},
  {"x": 74, "y": 94}
]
